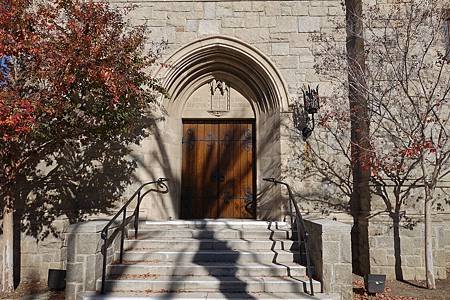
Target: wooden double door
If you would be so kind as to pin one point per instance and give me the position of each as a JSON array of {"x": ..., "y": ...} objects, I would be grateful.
[{"x": 218, "y": 170}]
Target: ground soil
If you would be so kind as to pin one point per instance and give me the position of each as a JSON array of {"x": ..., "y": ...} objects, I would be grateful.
[
  {"x": 407, "y": 290},
  {"x": 38, "y": 289}
]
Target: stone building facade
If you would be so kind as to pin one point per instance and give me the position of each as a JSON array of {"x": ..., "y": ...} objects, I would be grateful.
[
  {"x": 264, "y": 49},
  {"x": 269, "y": 50},
  {"x": 264, "y": 52}
]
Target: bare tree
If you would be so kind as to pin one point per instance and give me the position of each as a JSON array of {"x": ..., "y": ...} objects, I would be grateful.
[{"x": 406, "y": 80}]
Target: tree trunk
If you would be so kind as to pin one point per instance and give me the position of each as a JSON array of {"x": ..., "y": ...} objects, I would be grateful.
[
  {"x": 397, "y": 246},
  {"x": 7, "y": 249},
  {"x": 360, "y": 198},
  {"x": 429, "y": 265}
]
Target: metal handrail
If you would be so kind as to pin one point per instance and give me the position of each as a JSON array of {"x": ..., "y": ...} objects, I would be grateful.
[
  {"x": 305, "y": 232},
  {"x": 104, "y": 233}
]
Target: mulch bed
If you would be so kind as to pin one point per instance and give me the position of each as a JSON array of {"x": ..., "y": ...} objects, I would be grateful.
[{"x": 404, "y": 290}]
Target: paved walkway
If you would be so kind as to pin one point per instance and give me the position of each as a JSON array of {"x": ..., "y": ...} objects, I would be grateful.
[{"x": 46, "y": 296}]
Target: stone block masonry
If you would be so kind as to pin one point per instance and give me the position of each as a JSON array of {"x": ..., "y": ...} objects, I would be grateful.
[
  {"x": 407, "y": 249},
  {"x": 283, "y": 31},
  {"x": 274, "y": 27},
  {"x": 35, "y": 257},
  {"x": 331, "y": 253},
  {"x": 84, "y": 256}
]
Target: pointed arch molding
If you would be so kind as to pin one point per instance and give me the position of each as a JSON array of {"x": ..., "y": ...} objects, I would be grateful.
[{"x": 249, "y": 70}]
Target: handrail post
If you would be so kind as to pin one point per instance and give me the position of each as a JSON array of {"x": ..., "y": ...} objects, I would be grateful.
[
  {"x": 104, "y": 232},
  {"x": 299, "y": 220},
  {"x": 136, "y": 216},
  {"x": 122, "y": 235},
  {"x": 290, "y": 211},
  {"x": 299, "y": 239},
  {"x": 105, "y": 254},
  {"x": 308, "y": 262}
]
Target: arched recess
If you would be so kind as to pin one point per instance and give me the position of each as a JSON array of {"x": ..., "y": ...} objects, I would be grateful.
[{"x": 253, "y": 76}]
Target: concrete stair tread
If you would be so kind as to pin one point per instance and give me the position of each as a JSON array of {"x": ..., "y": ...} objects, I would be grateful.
[
  {"x": 225, "y": 234},
  {"x": 220, "y": 229},
  {"x": 201, "y": 256},
  {"x": 193, "y": 243},
  {"x": 206, "y": 240},
  {"x": 203, "y": 295},
  {"x": 230, "y": 223},
  {"x": 208, "y": 264},
  {"x": 208, "y": 278},
  {"x": 242, "y": 222},
  {"x": 201, "y": 233},
  {"x": 231, "y": 284},
  {"x": 209, "y": 244},
  {"x": 208, "y": 268},
  {"x": 207, "y": 251}
]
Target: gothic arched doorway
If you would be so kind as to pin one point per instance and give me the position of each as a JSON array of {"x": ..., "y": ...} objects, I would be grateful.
[{"x": 217, "y": 165}]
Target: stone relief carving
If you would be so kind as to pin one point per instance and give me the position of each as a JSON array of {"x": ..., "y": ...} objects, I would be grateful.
[{"x": 220, "y": 97}]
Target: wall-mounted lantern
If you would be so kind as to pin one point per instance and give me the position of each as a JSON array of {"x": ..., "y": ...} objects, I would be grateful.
[{"x": 311, "y": 106}]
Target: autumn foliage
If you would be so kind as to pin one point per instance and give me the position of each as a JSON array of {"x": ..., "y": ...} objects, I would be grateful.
[{"x": 70, "y": 70}]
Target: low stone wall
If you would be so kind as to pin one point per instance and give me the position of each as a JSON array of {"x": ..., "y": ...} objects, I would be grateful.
[
  {"x": 84, "y": 256},
  {"x": 35, "y": 257},
  {"x": 330, "y": 250},
  {"x": 407, "y": 249}
]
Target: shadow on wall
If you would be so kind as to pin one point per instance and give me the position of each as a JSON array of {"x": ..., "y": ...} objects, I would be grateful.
[
  {"x": 160, "y": 162},
  {"x": 320, "y": 165},
  {"x": 82, "y": 178},
  {"x": 222, "y": 162},
  {"x": 323, "y": 168}
]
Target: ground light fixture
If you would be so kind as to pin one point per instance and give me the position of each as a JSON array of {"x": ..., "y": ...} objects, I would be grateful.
[
  {"x": 374, "y": 283},
  {"x": 311, "y": 106}
]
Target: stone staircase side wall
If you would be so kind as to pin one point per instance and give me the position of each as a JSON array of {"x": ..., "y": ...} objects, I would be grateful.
[
  {"x": 331, "y": 254},
  {"x": 84, "y": 256}
]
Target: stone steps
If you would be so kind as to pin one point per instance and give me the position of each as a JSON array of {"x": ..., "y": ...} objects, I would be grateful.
[
  {"x": 230, "y": 256},
  {"x": 209, "y": 244},
  {"x": 222, "y": 234},
  {"x": 203, "y": 296},
  {"x": 215, "y": 224},
  {"x": 209, "y": 284},
  {"x": 214, "y": 269},
  {"x": 208, "y": 260}
]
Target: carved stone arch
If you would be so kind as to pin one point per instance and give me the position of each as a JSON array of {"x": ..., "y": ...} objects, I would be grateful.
[
  {"x": 252, "y": 75},
  {"x": 228, "y": 55}
]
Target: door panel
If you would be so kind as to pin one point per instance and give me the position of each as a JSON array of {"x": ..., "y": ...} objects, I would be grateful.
[{"x": 217, "y": 169}]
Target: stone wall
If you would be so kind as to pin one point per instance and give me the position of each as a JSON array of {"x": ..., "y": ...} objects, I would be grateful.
[
  {"x": 384, "y": 247},
  {"x": 84, "y": 257},
  {"x": 283, "y": 31},
  {"x": 331, "y": 253},
  {"x": 35, "y": 257}
]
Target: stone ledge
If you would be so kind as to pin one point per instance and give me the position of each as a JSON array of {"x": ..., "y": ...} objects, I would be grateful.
[
  {"x": 89, "y": 226},
  {"x": 329, "y": 247}
]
